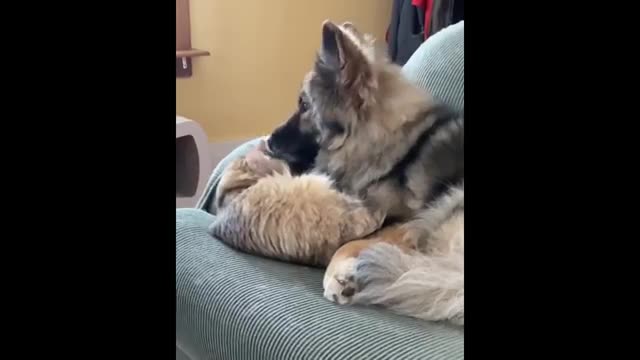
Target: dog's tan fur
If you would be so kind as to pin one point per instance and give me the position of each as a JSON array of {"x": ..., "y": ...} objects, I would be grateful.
[
  {"x": 338, "y": 283},
  {"x": 400, "y": 264},
  {"x": 264, "y": 210}
]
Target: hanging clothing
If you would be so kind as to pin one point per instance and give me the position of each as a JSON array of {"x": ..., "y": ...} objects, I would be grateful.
[
  {"x": 458, "y": 11},
  {"x": 427, "y": 7},
  {"x": 413, "y": 21},
  {"x": 406, "y": 30},
  {"x": 442, "y": 15},
  {"x": 445, "y": 13}
]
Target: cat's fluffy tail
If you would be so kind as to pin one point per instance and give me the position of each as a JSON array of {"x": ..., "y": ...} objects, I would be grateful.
[{"x": 424, "y": 287}]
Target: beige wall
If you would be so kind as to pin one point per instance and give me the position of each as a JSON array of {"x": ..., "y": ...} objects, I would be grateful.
[{"x": 260, "y": 50}]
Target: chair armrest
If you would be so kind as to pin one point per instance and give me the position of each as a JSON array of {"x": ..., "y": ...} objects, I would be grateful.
[{"x": 206, "y": 199}]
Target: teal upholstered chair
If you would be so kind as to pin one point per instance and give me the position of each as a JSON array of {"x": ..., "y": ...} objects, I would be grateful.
[{"x": 236, "y": 306}]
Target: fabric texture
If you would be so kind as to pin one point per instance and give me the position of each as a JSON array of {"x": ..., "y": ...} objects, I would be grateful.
[
  {"x": 231, "y": 305},
  {"x": 237, "y": 306},
  {"x": 438, "y": 66}
]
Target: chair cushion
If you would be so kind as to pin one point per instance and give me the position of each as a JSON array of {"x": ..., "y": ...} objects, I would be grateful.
[
  {"x": 438, "y": 66},
  {"x": 231, "y": 305}
]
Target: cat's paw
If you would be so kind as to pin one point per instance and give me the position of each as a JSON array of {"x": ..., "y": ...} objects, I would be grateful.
[
  {"x": 340, "y": 286},
  {"x": 378, "y": 212},
  {"x": 362, "y": 222}
]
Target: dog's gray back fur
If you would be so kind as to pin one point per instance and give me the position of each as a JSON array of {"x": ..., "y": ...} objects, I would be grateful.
[{"x": 429, "y": 167}]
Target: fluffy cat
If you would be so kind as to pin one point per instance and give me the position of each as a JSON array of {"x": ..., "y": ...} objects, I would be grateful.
[{"x": 265, "y": 210}]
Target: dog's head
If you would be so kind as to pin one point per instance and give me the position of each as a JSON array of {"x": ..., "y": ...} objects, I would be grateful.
[
  {"x": 332, "y": 97},
  {"x": 295, "y": 141},
  {"x": 350, "y": 102}
]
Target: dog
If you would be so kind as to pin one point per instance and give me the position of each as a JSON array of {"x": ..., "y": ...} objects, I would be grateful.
[
  {"x": 265, "y": 210},
  {"x": 386, "y": 141}
]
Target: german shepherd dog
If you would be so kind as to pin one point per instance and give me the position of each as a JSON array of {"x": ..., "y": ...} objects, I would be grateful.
[{"x": 386, "y": 141}]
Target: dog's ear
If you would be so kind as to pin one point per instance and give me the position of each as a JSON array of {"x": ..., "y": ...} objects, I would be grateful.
[
  {"x": 330, "y": 52},
  {"x": 348, "y": 26},
  {"x": 341, "y": 53}
]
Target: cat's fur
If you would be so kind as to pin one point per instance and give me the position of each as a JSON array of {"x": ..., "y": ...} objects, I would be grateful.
[{"x": 263, "y": 209}]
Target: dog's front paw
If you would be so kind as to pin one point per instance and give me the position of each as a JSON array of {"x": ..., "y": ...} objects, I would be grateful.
[{"x": 340, "y": 286}]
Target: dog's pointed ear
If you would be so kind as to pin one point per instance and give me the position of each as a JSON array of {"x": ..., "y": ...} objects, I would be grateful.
[
  {"x": 342, "y": 55},
  {"x": 338, "y": 49},
  {"x": 330, "y": 51},
  {"x": 348, "y": 26}
]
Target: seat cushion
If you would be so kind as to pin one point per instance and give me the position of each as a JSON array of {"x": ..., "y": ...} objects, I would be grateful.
[{"x": 231, "y": 305}]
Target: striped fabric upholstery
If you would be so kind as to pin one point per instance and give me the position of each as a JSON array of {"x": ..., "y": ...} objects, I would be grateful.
[
  {"x": 438, "y": 66},
  {"x": 231, "y": 305},
  {"x": 237, "y": 306}
]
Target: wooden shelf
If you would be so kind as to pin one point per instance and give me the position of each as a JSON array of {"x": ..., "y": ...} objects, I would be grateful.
[
  {"x": 191, "y": 53},
  {"x": 183, "y": 60}
]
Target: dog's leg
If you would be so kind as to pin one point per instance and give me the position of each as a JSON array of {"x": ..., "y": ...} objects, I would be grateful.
[
  {"x": 340, "y": 276},
  {"x": 362, "y": 220},
  {"x": 426, "y": 284}
]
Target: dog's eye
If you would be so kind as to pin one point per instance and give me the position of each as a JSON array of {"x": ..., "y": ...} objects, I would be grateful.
[{"x": 302, "y": 105}]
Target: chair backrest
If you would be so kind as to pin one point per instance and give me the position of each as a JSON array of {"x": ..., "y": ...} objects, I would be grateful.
[{"x": 438, "y": 66}]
